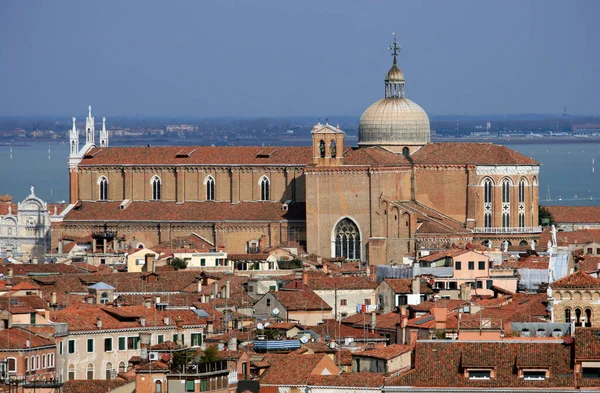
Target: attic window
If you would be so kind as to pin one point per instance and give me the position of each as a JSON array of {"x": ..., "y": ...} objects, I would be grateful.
[
  {"x": 480, "y": 374},
  {"x": 184, "y": 153},
  {"x": 534, "y": 375},
  {"x": 264, "y": 153}
]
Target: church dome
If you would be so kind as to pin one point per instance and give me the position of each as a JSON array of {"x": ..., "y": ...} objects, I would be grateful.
[{"x": 394, "y": 120}]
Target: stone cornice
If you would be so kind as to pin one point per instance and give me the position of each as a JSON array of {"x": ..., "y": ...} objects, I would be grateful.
[{"x": 507, "y": 170}]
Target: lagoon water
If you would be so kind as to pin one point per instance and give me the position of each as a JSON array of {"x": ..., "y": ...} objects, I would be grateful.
[{"x": 566, "y": 175}]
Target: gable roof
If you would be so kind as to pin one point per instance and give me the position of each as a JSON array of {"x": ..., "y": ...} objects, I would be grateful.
[
  {"x": 293, "y": 369},
  {"x": 575, "y": 214},
  {"x": 587, "y": 343},
  {"x": 579, "y": 279},
  {"x": 199, "y": 155},
  {"x": 404, "y": 285},
  {"x": 470, "y": 153},
  {"x": 386, "y": 353},
  {"x": 301, "y": 300}
]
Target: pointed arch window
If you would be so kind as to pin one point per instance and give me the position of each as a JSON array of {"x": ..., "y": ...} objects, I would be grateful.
[
  {"x": 264, "y": 188},
  {"x": 103, "y": 188},
  {"x": 588, "y": 317},
  {"x": 567, "y": 315},
  {"x": 487, "y": 202},
  {"x": 347, "y": 240},
  {"x": 210, "y": 188},
  {"x": 156, "y": 185},
  {"x": 577, "y": 317},
  {"x": 522, "y": 203},
  {"x": 122, "y": 368},
  {"x": 505, "y": 203}
]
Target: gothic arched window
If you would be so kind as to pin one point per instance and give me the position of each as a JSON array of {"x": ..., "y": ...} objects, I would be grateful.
[
  {"x": 322, "y": 148},
  {"x": 588, "y": 317},
  {"x": 522, "y": 203},
  {"x": 155, "y": 187},
  {"x": 264, "y": 188},
  {"x": 487, "y": 202},
  {"x": 122, "y": 368},
  {"x": 505, "y": 203},
  {"x": 332, "y": 149},
  {"x": 90, "y": 371},
  {"x": 347, "y": 239},
  {"x": 103, "y": 188},
  {"x": 577, "y": 317},
  {"x": 567, "y": 315},
  {"x": 108, "y": 370},
  {"x": 210, "y": 188}
]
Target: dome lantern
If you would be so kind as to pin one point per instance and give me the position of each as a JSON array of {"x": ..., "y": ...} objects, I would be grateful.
[{"x": 394, "y": 121}]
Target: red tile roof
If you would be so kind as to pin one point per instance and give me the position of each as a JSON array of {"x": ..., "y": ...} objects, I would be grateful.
[
  {"x": 200, "y": 155},
  {"x": 15, "y": 338},
  {"x": 319, "y": 282},
  {"x": 470, "y": 153},
  {"x": 589, "y": 263},
  {"x": 587, "y": 343},
  {"x": 301, "y": 300},
  {"x": 579, "y": 279},
  {"x": 442, "y": 363},
  {"x": 374, "y": 156},
  {"x": 358, "y": 380},
  {"x": 385, "y": 353},
  {"x": 569, "y": 238},
  {"x": 404, "y": 285},
  {"x": 575, "y": 214},
  {"x": 291, "y": 369},
  {"x": 188, "y": 211},
  {"x": 339, "y": 332},
  {"x": 92, "y": 386}
]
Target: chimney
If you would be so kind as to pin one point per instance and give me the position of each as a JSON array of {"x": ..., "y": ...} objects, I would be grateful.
[
  {"x": 440, "y": 315},
  {"x": 304, "y": 277},
  {"x": 373, "y": 321},
  {"x": 60, "y": 247},
  {"x": 232, "y": 344},
  {"x": 216, "y": 289},
  {"x": 10, "y": 272},
  {"x": 199, "y": 286},
  {"x": 157, "y": 300},
  {"x": 144, "y": 345},
  {"x": 399, "y": 334},
  {"x": 143, "y": 320},
  {"x": 166, "y": 320},
  {"x": 209, "y": 326},
  {"x": 239, "y": 324},
  {"x": 325, "y": 269},
  {"x": 464, "y": 292},
  {"x": 223, "y": 293},
  {"x": 227, "y": 290},
  {"x": 27, "y": 343},
  {"x": 416, "y": 286},
  {"x": 148, "y": 302},
  {"x": 53, "y": 298},
  {"x": 368, "y": 271},
  {"x": 203, "y": 298},
  {"x": 99, "y": 323},
  {"x": 150, "y": 262}
]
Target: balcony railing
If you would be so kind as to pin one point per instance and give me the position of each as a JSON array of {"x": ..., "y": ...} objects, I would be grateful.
[{"x": 508, "y": 230}]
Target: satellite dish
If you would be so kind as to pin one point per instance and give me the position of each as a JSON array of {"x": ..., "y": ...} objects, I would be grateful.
[
  {"x": 260, "y": 326},
  {"x": 303, "y": 339},
  {"x": 267, "y": 324},
  {"x": 275, "y": 311}
]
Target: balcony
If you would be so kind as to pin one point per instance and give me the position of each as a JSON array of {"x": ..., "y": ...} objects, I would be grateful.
[{"x": 507, "y": 230}]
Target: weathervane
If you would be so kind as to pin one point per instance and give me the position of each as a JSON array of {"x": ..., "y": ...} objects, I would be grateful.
[{"x": 395, "y": 48}]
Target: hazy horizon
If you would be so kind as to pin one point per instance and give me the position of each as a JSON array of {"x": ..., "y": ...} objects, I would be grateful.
[{"x": 305, "y": 59}]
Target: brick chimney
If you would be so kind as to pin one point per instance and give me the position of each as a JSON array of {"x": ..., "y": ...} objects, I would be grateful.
[
  {"x": 440, "y": 315},
  {"x": 304, "y": 277},
  {"x": 373, "y": 321},
  {"x": 416, "y": 286}
]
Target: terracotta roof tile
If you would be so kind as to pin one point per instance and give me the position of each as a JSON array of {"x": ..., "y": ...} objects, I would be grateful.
[
  {"x": 338, "y": 331},
  {"x": 386, "y": 353},
  {"x": 340, "y": 282},
  {"x": 373, "y": 156},
  {"x": 358, "y": 380},
  {"x": 200, "y": 155},
  {"x": 579, "y": 279},
  {"x": 587, "y": 343},
  {"x": 470, "y": 153},
  {"x": 290, "y": 369},
  {"x": 575, "y": 214},
  {"x": 188, "y": 211},
  {"x": 404, "y": 285},
  {"x": 573, "y": 237},
  {"x": 15, "y": 338},
  {"x": 91, "y": 386},
  {"x": 299, "y": 300}
]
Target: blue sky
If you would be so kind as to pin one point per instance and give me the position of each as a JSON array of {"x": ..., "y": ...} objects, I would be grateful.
[{"x": 295, "y": 58}]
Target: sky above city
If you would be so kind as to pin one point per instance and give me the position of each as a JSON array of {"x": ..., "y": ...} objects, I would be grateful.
[{"x": 295, "y": 58}]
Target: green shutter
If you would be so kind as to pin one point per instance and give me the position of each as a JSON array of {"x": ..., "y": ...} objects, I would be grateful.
[
  {"x": 90, "y": 345},
  {"x": 122, "y": 343},
  {"x": 160, "y": 339}
]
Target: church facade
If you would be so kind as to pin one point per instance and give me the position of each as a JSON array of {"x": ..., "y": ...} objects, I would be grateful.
[{"x": 393, "y": 194}]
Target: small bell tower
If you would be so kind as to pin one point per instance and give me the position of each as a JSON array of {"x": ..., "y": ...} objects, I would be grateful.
[
  {"x": 103, "y": 134},
  {"x": 328, "y": 145},
  {"x": 89, "y": 128},
  {"x": 73, "y": 140}
]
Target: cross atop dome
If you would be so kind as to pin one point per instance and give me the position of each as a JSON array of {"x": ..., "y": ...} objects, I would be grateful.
[{"x": 395, "y": 47}]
